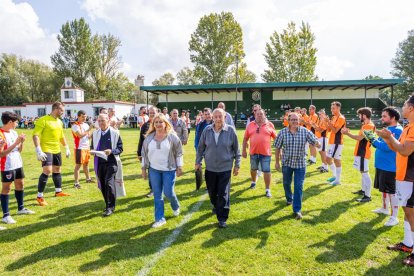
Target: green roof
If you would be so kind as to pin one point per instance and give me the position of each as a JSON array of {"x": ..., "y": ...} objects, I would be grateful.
[{"x": 269, "y": 86}]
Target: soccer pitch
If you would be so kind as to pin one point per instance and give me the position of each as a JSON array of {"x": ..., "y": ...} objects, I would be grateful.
[{"x": 69, "y": 236}]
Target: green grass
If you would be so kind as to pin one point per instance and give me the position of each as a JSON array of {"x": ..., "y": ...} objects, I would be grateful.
[{"x": 336, "y": 236}]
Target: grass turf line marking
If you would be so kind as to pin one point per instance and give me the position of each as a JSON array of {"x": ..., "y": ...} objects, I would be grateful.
[{"x": 153, "y": 259}]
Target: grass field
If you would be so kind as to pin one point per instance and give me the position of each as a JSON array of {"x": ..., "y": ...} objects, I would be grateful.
[{"x": 69, "y": 236}]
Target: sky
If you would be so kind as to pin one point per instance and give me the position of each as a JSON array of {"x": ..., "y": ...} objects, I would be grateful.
[{"x": 354, "y": 38}]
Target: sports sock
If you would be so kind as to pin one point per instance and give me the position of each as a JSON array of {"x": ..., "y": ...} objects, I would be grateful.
[
  {"x": 5, "y": 204},
  {"x": 57, "y": 180},
  {"x": 42, "y": 183},
  {"x": 338, "y": 173},
  {"x": 267, "y": 190},
  {"x": 333, "y": 169},
  {"x": 39, "y": 194},
  {"x": 19, "y": 198},
  {"x": 367, "y": 183},
  {"x": 394, "y": 205},
  {"x": 408, "y": 237}
]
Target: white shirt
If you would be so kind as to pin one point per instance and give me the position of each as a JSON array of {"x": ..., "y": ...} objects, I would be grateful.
[
  {"x": 13, "y": 160},
  {"x": 158, "y": 156},
  {"x": 80, "y": 143}
]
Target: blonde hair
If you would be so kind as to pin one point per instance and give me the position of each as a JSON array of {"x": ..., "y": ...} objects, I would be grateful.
[{"x": 168, "y": 126}]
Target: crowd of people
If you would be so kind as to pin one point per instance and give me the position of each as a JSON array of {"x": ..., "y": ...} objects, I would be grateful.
[{"x": 161, "y": 144}]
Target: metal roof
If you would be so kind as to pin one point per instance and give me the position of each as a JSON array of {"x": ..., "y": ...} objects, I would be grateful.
[{"x": 270, "y": 86}]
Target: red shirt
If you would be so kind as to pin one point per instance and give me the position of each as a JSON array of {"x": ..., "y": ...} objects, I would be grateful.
[{"x": 260, "y": 138}]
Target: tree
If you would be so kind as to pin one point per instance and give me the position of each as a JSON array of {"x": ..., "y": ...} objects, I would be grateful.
[
  {"x": 76, "y": 52},
  {"x": 403, "y": 67},
  {"x": 244, "y": 75},
  {"x": 165, "y": 79},
  {"x": 291, "y": 55},
  {"x": 105, "y": 63},
  {"x": 214, "y": 46},
  {"x": 120, "y": 89},
  {"x": 186, "y": 76}
]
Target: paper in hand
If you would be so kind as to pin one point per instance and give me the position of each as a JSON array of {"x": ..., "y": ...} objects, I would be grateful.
[{"x": 100, "y": 154}]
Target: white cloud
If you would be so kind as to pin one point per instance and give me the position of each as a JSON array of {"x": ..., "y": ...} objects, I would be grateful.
[
  {"x": 21, "y": 33},
  {"x": 331, "y": 67}
]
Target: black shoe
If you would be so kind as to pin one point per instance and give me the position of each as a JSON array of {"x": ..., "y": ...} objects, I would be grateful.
[
  {"x": 288, "y": 203},
  {"x": 360, "y": 192},
  {"x": 108, "y": 212},
  {"x": 298, "y": 216},
  {"x": 364, "y": 199},
  {"x": 222, "y": 224}
]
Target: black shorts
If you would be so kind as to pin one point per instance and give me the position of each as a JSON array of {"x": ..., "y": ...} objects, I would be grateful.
[
  {"x": 384, "y": 181},
  {"x": 52, "y": 159},
  {"x": 10, "y": 176}
]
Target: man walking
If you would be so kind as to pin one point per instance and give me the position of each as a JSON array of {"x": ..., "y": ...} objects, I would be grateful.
[
  {"x": 260, "y": 132},
  {"x": 220, "y": 148},
  {"x": 228, "y": 119},
  {"x": 179, "y": 126},
  {"x": 291, "y": 140},
  {"x": 47, "y": 135}
]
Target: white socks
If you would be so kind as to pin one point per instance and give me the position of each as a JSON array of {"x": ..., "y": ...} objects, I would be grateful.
[
  {"x": 39, "y": 194},
  {"x": 338, "y": 174},
  {"x": 366, "y": 183},
  {"x": 312, "y": 158},
  {"x": 408, "y": 235},
  {"x": 394, "y": 205},
  {"x": 333, "y": 169},
  {"x": 58, "y": 190}
]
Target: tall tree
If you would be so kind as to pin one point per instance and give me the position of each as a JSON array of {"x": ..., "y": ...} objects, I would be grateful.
[
  {"x": 105, "y": 63},
  {"x": 243, "y": 75},
  {"x": 403, "y": 67},
  {"x": 165, "y": 79},
  {"x": 291, "y": 55},
  {"x": 214, "y": 45},
  {"x": 186, "y": 76},
  {"x": 76, "y": 52}
]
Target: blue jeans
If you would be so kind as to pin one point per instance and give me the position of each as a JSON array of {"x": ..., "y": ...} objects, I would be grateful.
[
  {"x": 298, "y": 179},
  {"x": 163, "y": 181}
]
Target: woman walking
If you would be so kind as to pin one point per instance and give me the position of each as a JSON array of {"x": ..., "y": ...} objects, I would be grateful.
[{"x": 162, "y": 154}]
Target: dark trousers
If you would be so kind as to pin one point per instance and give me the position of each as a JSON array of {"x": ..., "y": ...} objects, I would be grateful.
[
  {"x": 218, "y": 185},
  {"x": 106, "y": 176}
]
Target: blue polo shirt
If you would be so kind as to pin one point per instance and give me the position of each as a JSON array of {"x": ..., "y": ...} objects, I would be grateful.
[{"x": 384, "y": 156}]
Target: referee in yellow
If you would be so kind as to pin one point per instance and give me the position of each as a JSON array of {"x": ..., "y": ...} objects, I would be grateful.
[{"x": 47, "y": 136}]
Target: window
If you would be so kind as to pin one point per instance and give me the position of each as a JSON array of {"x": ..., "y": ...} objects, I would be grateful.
[
  {"x": 68, "y": 94},
  {"x": 18, "y": 112},
  {"x": 41, "y": 112}
]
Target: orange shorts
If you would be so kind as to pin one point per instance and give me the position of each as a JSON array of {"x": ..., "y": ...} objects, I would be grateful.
[{"x": 82, "y": 156}]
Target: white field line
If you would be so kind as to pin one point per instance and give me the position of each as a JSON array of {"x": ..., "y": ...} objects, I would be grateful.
[{"x": 153, "y": 259}]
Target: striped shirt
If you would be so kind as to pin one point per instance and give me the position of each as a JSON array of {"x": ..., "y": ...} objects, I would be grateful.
[{"x": 293, "y": 146}]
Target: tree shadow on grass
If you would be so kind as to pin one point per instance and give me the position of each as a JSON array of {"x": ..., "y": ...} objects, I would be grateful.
[
  {"x": 66, "y": 216},
  {"x": 350, "y": 245}
]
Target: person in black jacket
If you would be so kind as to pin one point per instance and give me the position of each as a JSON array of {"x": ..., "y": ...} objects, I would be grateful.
[{"x": 152, "y": 111}]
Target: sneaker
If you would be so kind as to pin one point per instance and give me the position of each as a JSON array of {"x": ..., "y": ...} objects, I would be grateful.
[
  {"x": 159, "y": 223},
  {"x": 176, "y": 212},
  {"x": 360, "y": 192},
  {"x": 268, "y": 194},
  {"x": 323, "y": 170},
  {"x": 77, "y": 186},
  {"x": 391, "y": 222},
  {"x": 222, "y": 224},
  {"x": 150, "y": 194},
  {"x": 8, "y": 220},
  {"x": 90, "y": 180},
  {"x": 400, "y": 247},
  {"x": 25, "y": 211},
  {"x": 319, "y": 168},
  {"x": 312, "y": 162},
  {"x": 332, "y": 179},
  {"x": 381, "y": 211},
  {"x": 253, "y": 185},
  {"x": 288, "y": 203},
  {"x": 61, "y": 194},
  {"x": 298, "y": 216},
  {"x": 41, "y": 201},
  {"x": 335, "y": 183},
  {"x": 364, "y": 199},
  {"x": 409, "y": 260}
]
